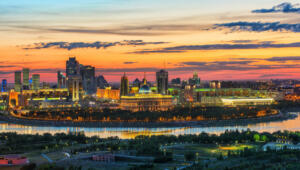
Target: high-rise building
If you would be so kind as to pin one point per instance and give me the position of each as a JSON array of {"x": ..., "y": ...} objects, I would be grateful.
[
  {"x": 75, "y": 87},
  {"x": 61, "y": 80},
  {"x": 124, "y": 90},
  {"x": 195, "y": 81},
  {"x": 72, "y": 67},
  {"x": 74, "y": 81},
  {"x": 101, "y": 82},
  {"x": 4, "y": 85},
  {"x": 162, "y": 81},
  {"x": 176, "y": 81},
  {"x": 26, "y": 78},
  {"x": 35, "y": 81},
  {"x": 88, "y": 79},
  {"x": 18, "y": 83}
]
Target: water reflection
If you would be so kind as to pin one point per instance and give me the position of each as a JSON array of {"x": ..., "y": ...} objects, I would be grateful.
[{"x": 127, "y": 133}]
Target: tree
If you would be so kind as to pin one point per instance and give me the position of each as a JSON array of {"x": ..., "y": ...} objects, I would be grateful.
[{"x": 189, "y": 156}]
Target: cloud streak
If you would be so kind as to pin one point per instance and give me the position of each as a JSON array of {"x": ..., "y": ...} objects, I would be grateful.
[
  {"x": 97, "y": 44},
  {"x": 186, "y": 48},
  {"x": 259, "y": 26},
  {"x": 285, "y": 7},
  {"x": 284, "y": 59}
]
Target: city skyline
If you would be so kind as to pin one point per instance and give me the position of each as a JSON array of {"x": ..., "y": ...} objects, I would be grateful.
[{"x": 231, "y": 41}]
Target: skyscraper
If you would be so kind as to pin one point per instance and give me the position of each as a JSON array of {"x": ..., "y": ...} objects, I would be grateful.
[
  {"x": 35, "y": 81},
  {"x": 88, "y": 79},
  {"x": 72, "y": 67},
  {"x": 74, "y": 81},
  {"x": 61, "y": 80},
  {"x": 26, "y": 78},
  {"x": 162, "y": 81},
  {"x": 124, "y": 85},
  {"x": 4, "y": 85},
  {"x": 195, "y": 81},
  {"x": 18, "y": 83}
]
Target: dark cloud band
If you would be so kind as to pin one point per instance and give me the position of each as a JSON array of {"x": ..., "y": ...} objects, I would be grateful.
[
  {"x": 285, "y": 7},
  {"x": 97, "y": 44}
]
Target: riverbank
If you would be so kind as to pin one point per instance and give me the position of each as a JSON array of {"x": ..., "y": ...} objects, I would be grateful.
[{"x": 210, "y": 123}]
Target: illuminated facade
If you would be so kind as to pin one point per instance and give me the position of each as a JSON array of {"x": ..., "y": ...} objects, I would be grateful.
[
  {"x": 108, "y": 93},
  {"x": 247, "y": 101},
  {"x": 145, "y": 100},
  {"x": 35, "y": 97}
]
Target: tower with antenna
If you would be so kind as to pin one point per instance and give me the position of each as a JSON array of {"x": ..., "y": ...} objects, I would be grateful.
[{"x": 162, "y": 80}]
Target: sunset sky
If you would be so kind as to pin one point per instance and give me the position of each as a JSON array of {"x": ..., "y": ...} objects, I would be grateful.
[{"x": 220, "y": 39}]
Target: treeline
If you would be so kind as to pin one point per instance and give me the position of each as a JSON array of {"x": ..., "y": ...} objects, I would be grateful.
[
  {"x": 142, "y": 145},
  {"x": 253, "y": 159}
]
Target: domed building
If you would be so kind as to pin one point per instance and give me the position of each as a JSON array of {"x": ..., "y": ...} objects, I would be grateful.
[{"x": 146, "y": 100}]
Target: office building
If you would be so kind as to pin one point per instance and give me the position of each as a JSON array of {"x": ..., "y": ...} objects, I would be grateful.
[
  {"x": 176, "y": 81},
  {"x": 4, "y": 85},
  {"x": 35, "y": 81},
  {"x": 74, "y": 80},
  {"x": 26, "y": 78},
  {"x": 18, "y": 84},
  {"x": 162, "y": 81},
  {"x": 195, "y": 81},
  {"x": 72, "y": 67},
  {"x": 88, "y": 79},
  {"x": 61, "y": 80},
  {"x": 75, "y": 88},
  {"x": 124, "y": 89}
]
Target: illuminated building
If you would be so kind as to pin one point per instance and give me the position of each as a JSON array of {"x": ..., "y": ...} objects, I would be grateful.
[
  {"x": 36, "y": 97},
  {"x": 215, "y": 96},
  {"x": 215, "y": 84},
  {"x": 61, "y": 80},
  {"x": 26, "y": 78},
  {"x": 13, "y": 98},
  {"x": 124, "y": 89},
  {"x": 18, "y": 83},
  {"x": 247, "y": 101},
  {"x": 108, "y": 93},
  {"x": 88, "y": 79},
  {"x": 162, "y": 81},
  {"x": 72, "y": 67},
  {"x": 146, "y": 100},
  {"x": 134, "y": 90},
  {"x": 4, "y": 85},
  {"x": 35, "y": 81},
  {"x": 144, "y": 81},
  {"x": 75, "y": 87},
  {"x": 74, "y": 80}
]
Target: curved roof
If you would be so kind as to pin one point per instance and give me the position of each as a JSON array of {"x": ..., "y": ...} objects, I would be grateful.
[{"x": 145, "y": 89}]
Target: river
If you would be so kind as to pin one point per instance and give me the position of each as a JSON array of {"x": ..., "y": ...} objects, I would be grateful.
[{"x": 127, "y": 133}]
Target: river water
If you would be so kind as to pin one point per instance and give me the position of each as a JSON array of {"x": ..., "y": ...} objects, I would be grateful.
[{"x": 127, "y": 133}]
